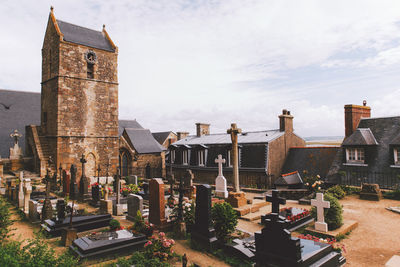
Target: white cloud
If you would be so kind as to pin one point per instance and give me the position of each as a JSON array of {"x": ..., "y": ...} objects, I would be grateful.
[{"x": 181, "y": 62}]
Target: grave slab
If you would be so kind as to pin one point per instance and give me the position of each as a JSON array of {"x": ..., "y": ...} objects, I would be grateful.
[
  {"x": 80, "y": 223},
  {"x": 107, "y": 243},
  {"x": 348, "y": 225},
  {"x": 394, "y": 209}
]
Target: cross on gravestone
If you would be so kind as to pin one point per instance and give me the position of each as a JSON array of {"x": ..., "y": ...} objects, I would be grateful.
[
  {"x": 15, "y": 135},
  {"x": 275, "y": 200},
  {"x": 220, "y": 161},
  {"x": 84, "y": 183},
  {"x": 234, "y": 131},
  {"x": 320, "y": 204}
]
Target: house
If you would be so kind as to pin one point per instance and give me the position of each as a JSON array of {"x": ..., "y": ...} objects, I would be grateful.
[
  {"x": 370, "y": 151},
  {"x": 261, "y": 153},
  {"x": 165, "y": 138}
]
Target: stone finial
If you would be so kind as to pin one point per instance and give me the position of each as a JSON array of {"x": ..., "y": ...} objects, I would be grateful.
[
  {"x": 104, "y": 26},
  {"x": 51, "y": 9}
]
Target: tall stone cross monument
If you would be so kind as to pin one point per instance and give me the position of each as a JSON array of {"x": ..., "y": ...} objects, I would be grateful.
[
  {"x": 236, "y": 198},
  {"x": 320, "y": 204},
  {"x": 220, "y": 181},
  {"x": 16, "y": 151},
  {"x": 234, "y": 131},
  {"x": 84, "y": 183}
]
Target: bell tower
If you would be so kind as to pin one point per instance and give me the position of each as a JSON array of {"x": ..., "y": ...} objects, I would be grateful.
[{"x": 79, "y": 100}]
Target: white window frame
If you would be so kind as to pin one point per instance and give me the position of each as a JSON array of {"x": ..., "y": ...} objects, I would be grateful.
[
  {"x": 396, "y": 155},
  {"x": 229, "y": 161},
  {"x": 172, "y": 156},
  {"x": 201, "y": 157},
  {"x": 185, "y": 157},
  {"x": 355, "y": 155}
]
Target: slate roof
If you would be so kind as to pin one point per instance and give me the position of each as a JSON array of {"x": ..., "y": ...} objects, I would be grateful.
[
  {"x": 161, "y": 136},
  {"x": 360, "y": 137},
  {"x": 132, "y": 124},
  {"x": 313, "y": 160},
  {"x": 24, "y": 110},
  {"x": 224, "y": 138},
  {"x": 81, "y": 35},
  {"x": 291, "y": 178},
  {"x": 143, "y": 141}
]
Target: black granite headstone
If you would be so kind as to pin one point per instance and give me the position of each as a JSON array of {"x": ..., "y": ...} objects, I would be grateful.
[{"x": 202, "y": 231}]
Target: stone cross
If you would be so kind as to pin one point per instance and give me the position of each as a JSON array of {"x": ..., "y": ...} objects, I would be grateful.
[
  {"x": 275, "y": 200},
  {"x": 320, "y": 204},
  {"x": 15, "y": 135},
  {"x": 84, "y": 183},
  {"x": 234, "y": 131},
  {"x": 83, "y": 161},
  {"x": 220, "y": 161}
]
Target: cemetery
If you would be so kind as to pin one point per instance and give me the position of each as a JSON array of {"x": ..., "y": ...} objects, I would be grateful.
[
  {"x": 118, "y": 217},
  {"x": 87, "y": 189}
]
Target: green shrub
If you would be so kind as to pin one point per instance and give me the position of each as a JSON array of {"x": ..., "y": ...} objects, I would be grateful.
[
  {"x": 224, "y": 219},
  {"x": 36, "y": 253},
  {"x": 336, "y": 191},
  {"x": 5, "y": 220},
  {"x": 188, "y": 215},
  {"x": 349, "y": 190},
  {"x": 114, "y": 225},
  {"x": 333, "y": 215}
]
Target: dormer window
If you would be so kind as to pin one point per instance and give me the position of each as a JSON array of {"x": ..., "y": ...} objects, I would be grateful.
[
  {"x": 185, "y": 157},
  {"x": 201, "y": 157},
  {"x": 355, "y": 155}
]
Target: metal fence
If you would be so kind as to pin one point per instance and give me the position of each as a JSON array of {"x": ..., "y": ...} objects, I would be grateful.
[{"x": 388, "y": 180}]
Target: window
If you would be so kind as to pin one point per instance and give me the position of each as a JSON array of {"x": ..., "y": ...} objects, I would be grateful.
[
  {"x": 90, "y": 70},
  {"x": 201, "y": 158},
  {"x": 185, "y": 157},
  {"x": 229, "y": 161},
  {"x": 355, "y": 155},
  {"x": 172, "y": 156},
  {"x": 397, "y": 156}
]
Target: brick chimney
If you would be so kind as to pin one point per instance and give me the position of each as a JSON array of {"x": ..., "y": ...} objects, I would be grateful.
[
  {"x": 202, "y": 129},
  {"x": 181, "y": 135},
  {"x": 353, "y": 115},
  {"x": 286, "y": 121}
]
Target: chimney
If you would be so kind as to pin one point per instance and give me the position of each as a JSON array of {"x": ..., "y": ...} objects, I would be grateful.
[
  {"x": 353, "y": 115},
  {"x": 182, "y": 135},
  {"x": 202, "y": 129},
  {"x": 286, "y": 121}
]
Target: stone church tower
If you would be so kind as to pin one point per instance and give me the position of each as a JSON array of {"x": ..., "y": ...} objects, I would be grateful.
[{"x": 79, "y": 99}]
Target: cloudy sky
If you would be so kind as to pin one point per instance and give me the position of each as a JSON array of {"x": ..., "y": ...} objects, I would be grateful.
[{"x": 182, "y": 62}]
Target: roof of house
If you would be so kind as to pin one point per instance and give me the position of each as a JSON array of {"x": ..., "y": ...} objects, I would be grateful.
[
  {"x": 143, "y": 141},
  {"x": 161, "y": 136},
  {"x": 224, "y": 138},
  {"x": 81, "y": 35},
  {"x": 360, "y": 137},
  {"x": 379, "y": 158},
  {"x": 310, "y": 160},
  {"x": 24, "y": 109},
  {"x": 289, "y": 179},
  {"x": 132, "y": 124}
]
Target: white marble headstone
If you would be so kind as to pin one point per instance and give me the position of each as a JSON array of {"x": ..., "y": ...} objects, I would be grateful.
[
  {"x": 320, "y": 204},
  {"x": 220, "y": 182}
]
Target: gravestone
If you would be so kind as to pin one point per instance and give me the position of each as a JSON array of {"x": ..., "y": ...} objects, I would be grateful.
[
  {"x": 21, "y": 190},
  {"x": 188, "y": 184},
  {"x": 276, "y": 247},
  {"x": 27, "y": 194},
  {"x": 118, "y": 208},
  {"x": 275, "y": 200},
  {"x": 202, "y": 231},
  {"x": 66, "y": 181},
  {"x": 320, "y": 204},
  {"x": 16, "y": 151},
  {"x": 74, "y": 192},
  {"x": 220, "y": 183},
  {"x": 370, "y": 192},
  {"x": 157, "y": 202},
  {"x": 33, "y": 211},
  {"x": 84, "y": 182},
  {"x": 47, "y": 210},
  {"x": 60, "y": 209},
  {"x": 135, "y": 203}
]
